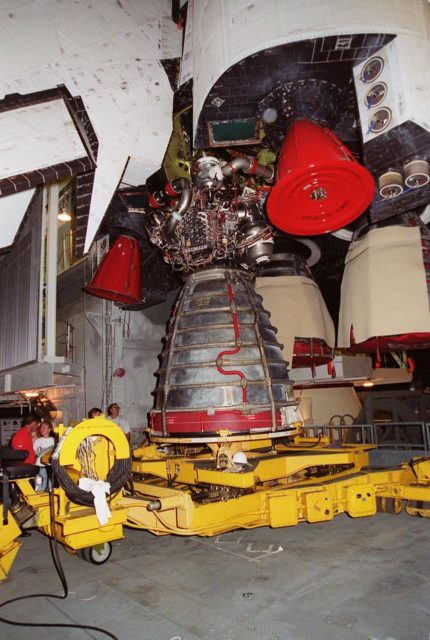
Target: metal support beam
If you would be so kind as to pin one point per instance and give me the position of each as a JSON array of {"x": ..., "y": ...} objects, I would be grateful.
[{"x": 51, "y": 272}]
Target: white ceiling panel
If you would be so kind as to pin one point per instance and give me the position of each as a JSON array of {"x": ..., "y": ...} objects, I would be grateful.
[
  {"x": 37, "y": 136},
  {"x": 12, "y": 211},
  {"x": 108, "y": 52}
]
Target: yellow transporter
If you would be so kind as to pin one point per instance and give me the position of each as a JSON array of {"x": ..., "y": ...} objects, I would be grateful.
[
  {"x": 187, "y": 487},
  {"x": 96, "y": 449},
  {"x": 204, "y": 491},
  {"x": 226, "y": 448}
]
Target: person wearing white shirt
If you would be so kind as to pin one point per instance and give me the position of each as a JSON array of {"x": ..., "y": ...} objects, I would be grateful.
[
  {"x": 113, "y": 413},
  {"x": 43, "y": 443}
]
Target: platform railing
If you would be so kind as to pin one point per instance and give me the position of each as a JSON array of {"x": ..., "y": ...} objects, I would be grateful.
[
  {"x": 402, "y": 435},
  {"x": 343, "y": 434},
  {"x": 387, "y": 435}
]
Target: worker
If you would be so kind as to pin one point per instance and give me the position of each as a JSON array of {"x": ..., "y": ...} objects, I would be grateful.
[
  {"x": 23, "y": 438},
  {"x": 113, "y": 413},
  {"x": 95, "y": 412},
  {"x": 44, "y": 442}
]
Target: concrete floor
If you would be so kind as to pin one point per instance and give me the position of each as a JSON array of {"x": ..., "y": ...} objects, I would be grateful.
[{"x": 348, "y": 579}]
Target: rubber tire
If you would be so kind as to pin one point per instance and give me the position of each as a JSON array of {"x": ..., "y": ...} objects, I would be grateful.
[
  {"x": 389, "y": 505},
  {"x": 93, "y": 555},
  {"x": 418, "y": 505},
  {"x": 380, "y": 504},
  {"x": 393, "y": 505}
]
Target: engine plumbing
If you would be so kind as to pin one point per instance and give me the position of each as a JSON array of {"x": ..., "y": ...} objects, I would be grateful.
[{"x": 214, "y": 219}]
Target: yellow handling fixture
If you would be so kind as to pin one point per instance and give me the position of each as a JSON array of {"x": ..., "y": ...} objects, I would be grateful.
[
  {"x": 96, "y": 449},
  {"x": 272, "y": 483},
  {"x": 189, "y": 487}
]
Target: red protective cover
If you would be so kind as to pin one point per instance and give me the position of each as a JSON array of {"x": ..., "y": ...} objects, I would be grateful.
[
  {"x": 184, "y": 422},
  {"x": 311, "y": 352},
  {"x": 118, "y": 276},
  {"x": 401, "y": 342},
  {"x": 320, "y": 186}
]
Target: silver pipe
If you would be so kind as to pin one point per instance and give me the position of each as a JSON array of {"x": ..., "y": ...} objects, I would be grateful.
[
  {"x": 248, "y": 165},
  {"x": 182, "y": 186},
  {"x": 155, "y": 505}
]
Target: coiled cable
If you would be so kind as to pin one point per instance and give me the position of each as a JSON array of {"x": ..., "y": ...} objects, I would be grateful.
[{"x": 117, "y": 478}]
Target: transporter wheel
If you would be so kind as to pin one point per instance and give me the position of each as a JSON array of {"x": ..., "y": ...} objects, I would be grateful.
[
  {"x": 413, "y": 508},
  {"x": 96, "y": 555},
  {"x": 389, "y": 505},
  {"x": 393, "y": 505}
]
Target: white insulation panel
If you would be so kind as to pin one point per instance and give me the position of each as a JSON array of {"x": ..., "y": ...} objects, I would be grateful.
[
  {"x": 109, "y": 53},
  {"x": 406, "y": 76},
  {"x": 227, "y": 31},
  {"x": 12, "y": 211},
  {"x": 37, "y": 136}
]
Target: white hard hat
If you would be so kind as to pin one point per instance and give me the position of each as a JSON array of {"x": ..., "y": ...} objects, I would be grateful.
[{"x": 240, "y": 458}]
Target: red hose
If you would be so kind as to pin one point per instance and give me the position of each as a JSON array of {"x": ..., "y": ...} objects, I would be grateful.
[{"x": 231, "y": 352}]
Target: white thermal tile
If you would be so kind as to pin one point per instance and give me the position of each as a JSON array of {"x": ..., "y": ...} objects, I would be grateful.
[
  {"x": 36, "y": 137},
  {"x": 12, "y": 211}
]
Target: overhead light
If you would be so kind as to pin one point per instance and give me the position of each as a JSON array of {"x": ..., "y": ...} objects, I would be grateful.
[
  {"x": 64, "y": 215},
  {"x": 368, "y": 383},
  {"x": 31, "y": 394}
]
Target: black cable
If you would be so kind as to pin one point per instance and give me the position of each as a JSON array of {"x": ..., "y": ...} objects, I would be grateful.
[
  {"x": 117, "y": 478},
  {"x": 415, "y": 461},
  {"x": 53, "y": 545}
]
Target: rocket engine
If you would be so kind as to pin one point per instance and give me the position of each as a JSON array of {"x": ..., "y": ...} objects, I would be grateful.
[
  {"x": 222, "y": 370},
  {"x": 286, "y": 282}
]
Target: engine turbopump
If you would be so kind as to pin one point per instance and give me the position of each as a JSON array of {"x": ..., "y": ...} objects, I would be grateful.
[{"x": 213, "y": 220}]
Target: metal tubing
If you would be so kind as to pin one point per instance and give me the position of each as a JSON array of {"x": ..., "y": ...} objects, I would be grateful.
[
  {"x": 51, "y": 272},
  {"x": 182, "y": 186},
  {"x": 250, "y": 166}
]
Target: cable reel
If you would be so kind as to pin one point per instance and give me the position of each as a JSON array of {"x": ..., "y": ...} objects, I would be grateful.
[{"x": 95, "y": 448}]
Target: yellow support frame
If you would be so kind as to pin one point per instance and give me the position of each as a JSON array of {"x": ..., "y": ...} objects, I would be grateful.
[
  {"x": 282, "y": 484},
  {"x": 274, "y": 492},
  {"x": 9, "y": 545},
  {"x": 75, "y": 526}
]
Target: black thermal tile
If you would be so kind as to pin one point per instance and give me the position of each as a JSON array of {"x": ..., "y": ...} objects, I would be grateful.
[
  {"x": 249, "y": 81},
  {"x": 335, "y": 56}
]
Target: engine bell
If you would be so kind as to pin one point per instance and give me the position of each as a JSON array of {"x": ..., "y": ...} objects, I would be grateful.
[{"x": 222, "y": 370}]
